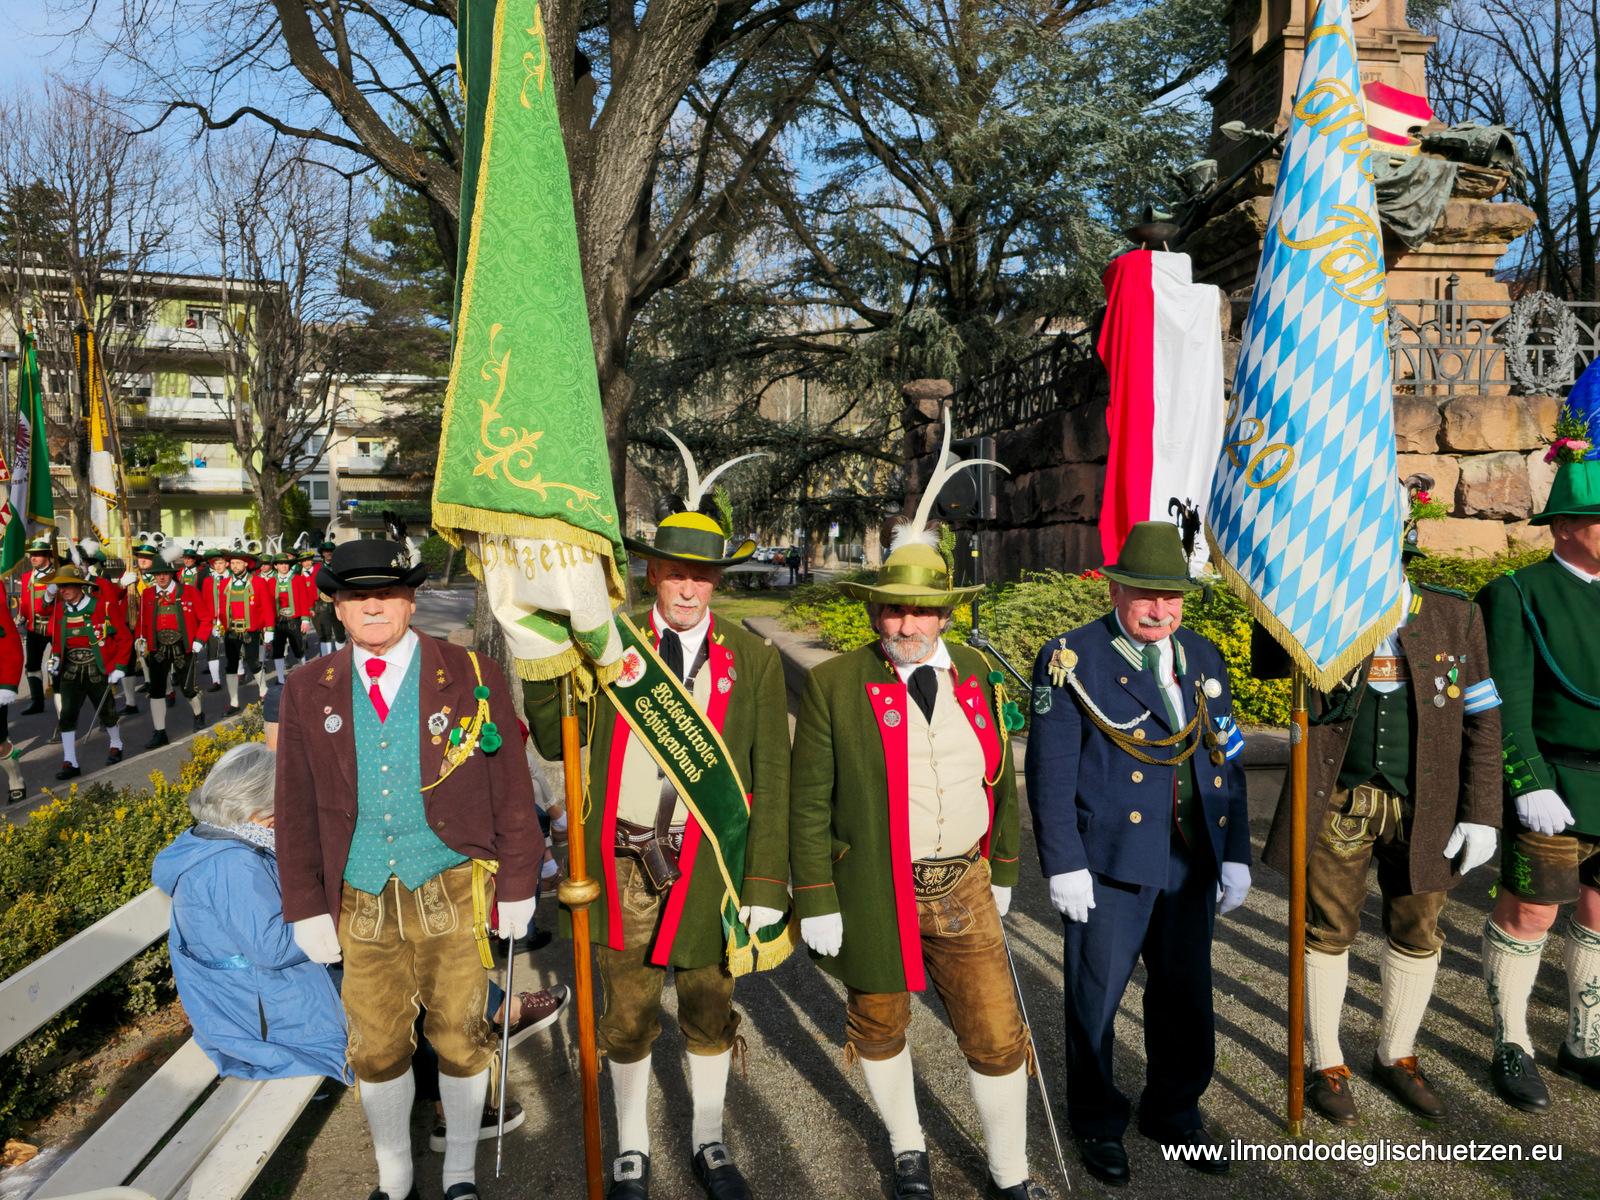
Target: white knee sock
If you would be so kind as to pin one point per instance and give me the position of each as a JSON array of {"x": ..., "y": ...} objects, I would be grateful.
[
  {"x": 1407, "y": 988},
  {"x": 894, "y": 1092},
  {"x": 630, "y": 1084},
  {"x": 708, "y": 1090},
  {"x": 388, "y": 1109},
  {"x": 13, "y": 773},
  {"x": 463, "y": 1116},
  {"x": 277, "y": 665},
  {"x": 129, "y": 690},
  {"x": 261, "y": 682},
  {"x": 114, "y": 732},
  {"x": 233, "y": 691},
  {"x": 1510, "y": 966},
  {"x": 1327, "y": 976},
  {"x": 69, "y": 747},
  {"x": 1002, "y": 1102},
  {"x": 158, "y": 713},
  {"x": 215, "y": 667},
  {"x": 1583, "y": 989}
]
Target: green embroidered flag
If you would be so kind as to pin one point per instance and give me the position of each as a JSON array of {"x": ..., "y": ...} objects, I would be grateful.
[
  {"x": 30, "y": 499},
  {"x": 524, "y": 479}
]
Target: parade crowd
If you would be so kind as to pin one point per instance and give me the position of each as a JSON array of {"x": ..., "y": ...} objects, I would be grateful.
[{"x": 394, "y": 835}]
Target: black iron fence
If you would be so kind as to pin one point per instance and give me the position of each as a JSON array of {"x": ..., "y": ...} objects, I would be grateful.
[{"x": 1444, "y": 347}]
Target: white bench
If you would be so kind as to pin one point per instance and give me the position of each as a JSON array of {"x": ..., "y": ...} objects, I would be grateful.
[{"x": 185, "y": 1132}]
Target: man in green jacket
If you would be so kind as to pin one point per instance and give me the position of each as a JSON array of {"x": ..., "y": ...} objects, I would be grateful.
[
  {"x": 903, "y": 847},
  {"x": 1545, "y": 656},
  {"x": 661, "y": 899}
]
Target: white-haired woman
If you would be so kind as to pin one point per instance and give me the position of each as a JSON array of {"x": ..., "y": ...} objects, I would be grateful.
[{"x": 260, "y": 1008}]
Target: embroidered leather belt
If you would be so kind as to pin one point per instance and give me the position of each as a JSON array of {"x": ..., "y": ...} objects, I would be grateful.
[
  {"x": 239, "y": 626},
  {"x": 166, "y": 637},
  {"x": 1387, "y": 670},
  {"x": 80, "y": 658},
  {"x": 41, "y": 625},
  {"x": 935, "y": 878}
]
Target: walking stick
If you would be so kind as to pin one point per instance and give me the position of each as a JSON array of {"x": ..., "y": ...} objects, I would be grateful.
[
  {"x": 1297, "y": 905},
  {"x": 505, "y": 1050},
  {"x": 577, "y": 892},
  {"x": 1038, "y": 1069}
]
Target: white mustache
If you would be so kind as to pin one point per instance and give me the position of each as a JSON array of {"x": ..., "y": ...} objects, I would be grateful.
[
  {"x": 1152, "y": 623},
  {"x": 374, "y": 620}
]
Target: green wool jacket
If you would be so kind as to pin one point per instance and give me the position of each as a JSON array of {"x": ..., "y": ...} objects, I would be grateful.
[
  {"x": 849, "y": 846},
  {"x": 1551, "y": 720},
  {"x": 756, "y": 731}
]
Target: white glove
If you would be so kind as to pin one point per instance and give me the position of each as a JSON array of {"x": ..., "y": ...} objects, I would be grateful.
[
  {"x": 266, "y": 638},
  {"x": 1479, "y": 841},
  {"x": 305, "y": 625},
  {"x": 128, "y": 578},
  {"x": 1002, "y": 898},
  {"x": 318, "y": 939},
  {"x": 515, "y": 917},
  {"x": 52, "y": 665},
  {"x": 759, "y": 916},
  {"x": 1543, "y": 812},
  {"x": 1072, "y": 894},
  {"x": 49, "y": 593},
  {"x": 1235, "y": 886},
  {"x": 823, "y": 934},
  {"x": 7, "y": 696},
  {"x": 115, "y": 676},
  {"x": 140, "y": 645},
  {"x": 198, "y": 647}
]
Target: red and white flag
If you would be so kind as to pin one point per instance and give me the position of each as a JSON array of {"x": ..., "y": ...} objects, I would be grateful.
[
  {"x": 1393, "y": 113},
  {"x": 1162, "y": 346}
]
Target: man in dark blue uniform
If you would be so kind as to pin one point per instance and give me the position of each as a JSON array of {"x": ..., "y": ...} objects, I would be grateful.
[{"x": 1139, "y": 812}]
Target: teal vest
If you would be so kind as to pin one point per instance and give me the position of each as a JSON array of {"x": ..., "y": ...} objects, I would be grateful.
[
  {"x": 392, "y": 835},
  {"x": 1380, "y": 742}
]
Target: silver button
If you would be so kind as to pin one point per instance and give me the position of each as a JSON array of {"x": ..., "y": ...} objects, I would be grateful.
[
  {"x": 391, "y": 862},
  {"x": 384, "y": 768},
  {"x": 391, "y": 837},
  {"x": 385, "y": 791},
  {"x": 383, "y": 745},
  {"x": 388, "y": 816}
]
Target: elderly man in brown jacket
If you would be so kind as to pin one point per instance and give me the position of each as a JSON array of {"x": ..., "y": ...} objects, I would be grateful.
[
  {"x": 1404, "y": 767},
  {"x": 400, "y": 820}
]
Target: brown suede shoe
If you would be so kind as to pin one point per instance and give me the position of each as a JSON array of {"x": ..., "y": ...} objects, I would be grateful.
[
  {"x": 1405, "y": 1082},
  {"x": 1329, "y": 1090}
]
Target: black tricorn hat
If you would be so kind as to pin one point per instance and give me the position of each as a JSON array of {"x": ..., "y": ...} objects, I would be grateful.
[{"x": 367, "y": 564}]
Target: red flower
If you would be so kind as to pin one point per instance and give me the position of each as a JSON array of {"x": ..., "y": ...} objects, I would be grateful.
[{"x": 1424, "y": 498}]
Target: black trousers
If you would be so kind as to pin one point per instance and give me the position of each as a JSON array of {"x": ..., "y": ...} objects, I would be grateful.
[
  {"x": 287, "y": 639},
  {"x": 329, "y": 628},
  {"x": 76, "y": 690},
  {"x": 38, "y": 643},
  {"x": 175, "y": 664},
  {"x": 1170, "y": 928},
  {"x": 241, "y": 645}
]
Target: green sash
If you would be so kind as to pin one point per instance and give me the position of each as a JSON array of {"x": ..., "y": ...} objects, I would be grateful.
[{"x": 662, "y": 714}]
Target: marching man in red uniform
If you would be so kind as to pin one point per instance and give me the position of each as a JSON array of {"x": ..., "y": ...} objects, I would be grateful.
[
  {"x": 214, "y": 585},
  {"x": 35, "y": 601},
  {"x": 11, "y": 657},
  {"x": 245, "y": 622},
  {"x": 90, "y": 638},
  {"x": 294, "y": 595},
  {"x": 174, "y": 620}
]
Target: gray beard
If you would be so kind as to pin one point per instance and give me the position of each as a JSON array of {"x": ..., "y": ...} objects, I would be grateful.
[{"x": 907, "y": 652}]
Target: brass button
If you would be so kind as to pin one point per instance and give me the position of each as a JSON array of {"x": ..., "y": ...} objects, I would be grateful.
[
  {"x": 1222, "y": 822},
  {"x": 1123, "y": 679},
  {"x": 1139, "y": 734},
  {"x": 1135, "y": 817},
  {"x": 1217, "y": 782},
  {"x": 1138, "y": 776}
]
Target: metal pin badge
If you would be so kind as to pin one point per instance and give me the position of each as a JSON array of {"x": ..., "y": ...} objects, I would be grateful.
[
  {"x": 333, "y": 723},
  {"x": 724, "y": 686},
  {"x": 1213, "y": 688},
  {"x": 437, "y": 724},
  {"x": 891, "y": 718}
]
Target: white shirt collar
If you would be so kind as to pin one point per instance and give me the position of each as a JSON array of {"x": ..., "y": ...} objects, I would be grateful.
[
  {"x": 689, "y": 639},
  {"x": 1164, "y": 645},
  {"x": 939, "y": 661},
  {"x": 1579, "y": 572},
  {"x": 398, "y": 660}
]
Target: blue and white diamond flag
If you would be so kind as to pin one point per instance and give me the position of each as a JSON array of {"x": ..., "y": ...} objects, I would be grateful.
[{"x": 1305, "y": 517}]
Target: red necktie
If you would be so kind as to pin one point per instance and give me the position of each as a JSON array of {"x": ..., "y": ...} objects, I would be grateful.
[{"x": 374, "y": 668}]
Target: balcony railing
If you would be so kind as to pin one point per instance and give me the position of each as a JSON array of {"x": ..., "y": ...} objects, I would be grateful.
[
  {"x": 174, "y": 337},
  {"x": 1441, "y": 348}
]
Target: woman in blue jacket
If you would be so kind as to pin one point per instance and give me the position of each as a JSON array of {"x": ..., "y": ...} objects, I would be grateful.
[{"x": 260, "y": 1008}]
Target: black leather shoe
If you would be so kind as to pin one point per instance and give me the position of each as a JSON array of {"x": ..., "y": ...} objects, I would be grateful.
[
  {"x": 232, "y": 710},
  {"x": 69, "y": 771},
  {"x": 1329, "y": 1093},
  {"x": 214, "y": 687},
  {"x": 1026, "y": 1190},
  {"x": 713, "y": 1167},
  {"x": 630, "y": 1177},
  {"x": 1207, "y": 1155},
  {"x": 1407, "y": 1084},
  {"x": 200, "y": 720},
  {"x": 461, "y": 1191},
  {"x": 129, "y": 710},
  {"x": 1516, "y": 1079},
  {"x": 380, "y": 1194},
  {"x": 1584, "y": 1070},
  {"x": 912, "y": 1178},
  {"x": 36, "y": 707},
  {"x": 157, "y": 740},
  {"x": 113, "y": 756},
  {"x": 1105, "y": 1159}
]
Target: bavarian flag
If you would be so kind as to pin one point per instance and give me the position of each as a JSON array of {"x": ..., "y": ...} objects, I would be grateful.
[
  {"x": 1305, "y": 517},
  {"x": 524, "y": 479}
]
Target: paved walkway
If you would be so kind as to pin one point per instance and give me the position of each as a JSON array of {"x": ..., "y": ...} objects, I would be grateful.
[{"x": 803, "y": 1128}]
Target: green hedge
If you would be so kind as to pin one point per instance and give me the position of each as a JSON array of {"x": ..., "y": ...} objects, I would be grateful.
[
  {"x": 74, "y": 860},
  {"x": 1020, "y": 617}
]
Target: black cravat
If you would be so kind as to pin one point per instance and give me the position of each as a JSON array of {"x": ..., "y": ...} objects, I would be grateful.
[
  {"x": 924, "y": 685},
  {"x": 672, "y": 652}
]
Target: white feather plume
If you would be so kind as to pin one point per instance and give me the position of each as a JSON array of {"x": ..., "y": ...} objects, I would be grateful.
[
  {"x": 303, "y": 542},
  {"x": 696, "y": 487},
  {"x": 947, "y": 468},
  {"x": 90, "y": 547},
  {"x": 171, "y": 552}
]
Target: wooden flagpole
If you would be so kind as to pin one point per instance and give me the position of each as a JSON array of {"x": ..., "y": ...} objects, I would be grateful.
[
  {"x": 1298, "y": 749},
  {"x": 577, "y": 892}
]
